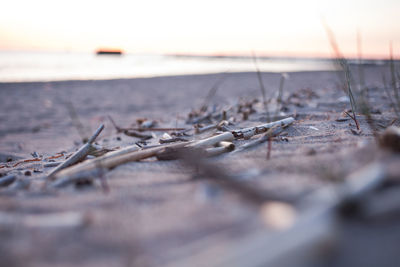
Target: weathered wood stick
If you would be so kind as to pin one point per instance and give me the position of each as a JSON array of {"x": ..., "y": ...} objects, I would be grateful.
[
  {"x": 222, "y": 126},
  {"x": 94, "y": 163},
  {"x": 228, "y": 145},
  {"x": 121, "y": 151},
  {"x": 227, "y": 136},
  {"x": 206, "y": 128},
  {"x": 51, "y": 164},
  {"x": 274, "y": 131},
  {"x": 246, "y": 133},
  {"x": 96, "y": 134},
  {"x": 111, "y": 162},
  {"x": 115, "y": 160},
  {"x": 78, "y": 155},
  {"x": 176, "y": 153}
]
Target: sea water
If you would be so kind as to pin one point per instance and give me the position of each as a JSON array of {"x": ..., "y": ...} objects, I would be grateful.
[{"x": 54, "y": 66}]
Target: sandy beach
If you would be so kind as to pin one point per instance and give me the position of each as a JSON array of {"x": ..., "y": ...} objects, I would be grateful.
[{"x": 158, "y": 213}]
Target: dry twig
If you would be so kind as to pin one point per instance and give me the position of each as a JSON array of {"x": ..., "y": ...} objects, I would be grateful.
[{"x": 78, "y": 155}]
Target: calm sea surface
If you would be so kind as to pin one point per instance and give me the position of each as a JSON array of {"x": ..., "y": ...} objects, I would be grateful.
[{"x": 51, "y": 66}]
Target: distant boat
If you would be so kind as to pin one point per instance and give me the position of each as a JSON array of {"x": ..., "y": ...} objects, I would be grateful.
[{"x": 116, "y": 52}]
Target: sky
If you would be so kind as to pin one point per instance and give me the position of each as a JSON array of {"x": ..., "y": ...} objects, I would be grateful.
[{"x": 277, "y": 28}]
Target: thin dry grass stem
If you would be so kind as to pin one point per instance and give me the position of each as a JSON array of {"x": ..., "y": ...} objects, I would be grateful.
[
  {"x": 350, "y": 92},
  {"x": 364, "y": 92},
  {"x": 213, "y": 90},
  {"x": 156, "y": 129},
  {"x": 262, "y": 87},
  {"x": 389, "y": 96},
  {"x": 393, "y": 76},
  {"x": 353, "y": 118},
  {"x": 129, "y": 132},
  {"x": 76, "y": 121},
  {"x": 363, "y": 88},
  {"x": 279, "y": 97},
  {"x": 345, "y": 67},
  {"x": 114, "y": 124}
]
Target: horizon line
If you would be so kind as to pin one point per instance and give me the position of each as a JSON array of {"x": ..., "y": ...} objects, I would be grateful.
[{"x": 218, "y": 54}]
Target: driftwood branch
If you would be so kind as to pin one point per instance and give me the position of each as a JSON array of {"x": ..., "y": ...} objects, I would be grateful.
[
  {"x": 213, "y": 140},
  {"x": 170, "y": 151},
  {"x": 222, "y": 147},
  {"x": 116, "y": 159},
  {"x": 246, "y": 133},
  {"x": 273, "y": 132},
  {"x": 78, "y": 155}
]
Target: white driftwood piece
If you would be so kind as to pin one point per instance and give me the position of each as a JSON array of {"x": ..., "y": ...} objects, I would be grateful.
[
  {"x": 78, "y": 155},
  {"x": 100, "y": 161},
  {"x": 213, "y": 140},
  {"x": 246, "y": 133},
  {"x": 222, "y": 147},
  {"x": 118, "y": 158},
  {"x": 109, "y": 162}
]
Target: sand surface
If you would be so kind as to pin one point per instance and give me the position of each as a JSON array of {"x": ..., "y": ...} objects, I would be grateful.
[{"x": 156, "y": 213}]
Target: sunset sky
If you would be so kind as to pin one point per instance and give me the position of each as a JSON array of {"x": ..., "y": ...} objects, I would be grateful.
[{"x": 279, "y": 27}]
